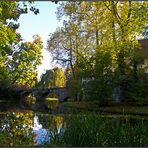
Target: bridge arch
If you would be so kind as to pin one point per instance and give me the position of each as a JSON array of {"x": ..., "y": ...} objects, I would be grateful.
[
  {"x": 27, "y": 99},
  {"x": 61, "y": 92},
  {"x": 41, "y": 94}
]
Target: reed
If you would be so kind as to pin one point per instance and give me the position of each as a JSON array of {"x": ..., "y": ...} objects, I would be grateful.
[{"x": 93, "y": 130}]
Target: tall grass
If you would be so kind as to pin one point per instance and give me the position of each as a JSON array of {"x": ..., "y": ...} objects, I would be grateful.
[{"x": 92, "y": 130}]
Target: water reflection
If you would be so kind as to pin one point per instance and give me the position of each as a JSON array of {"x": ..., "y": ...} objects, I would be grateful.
[
  {"x": 41, "y": 134},
  {"x": 28, "y": 129},
  {"x": 16, "y": 129},
  {"x": 46, "y": 127}
]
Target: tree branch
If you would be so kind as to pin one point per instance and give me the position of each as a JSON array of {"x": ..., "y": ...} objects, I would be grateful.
[
  {"x": 129, "y": 13},
  {"x": 107, "y": 6},
  {"x": 114, "y": 9}
]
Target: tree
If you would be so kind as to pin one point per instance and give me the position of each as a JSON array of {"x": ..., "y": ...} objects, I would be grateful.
[
  {"x": 59, "y": 77},
  {"x": 9, "y": 14},
  {"x": 23, "y": 66},
  {"x": 127, "y": 23},
  {"x": 110, "y": 29},
  {"x": 10, "y": 44},
  {"x": 52, "y": 78},
  {"x": 63, "y": 47}
]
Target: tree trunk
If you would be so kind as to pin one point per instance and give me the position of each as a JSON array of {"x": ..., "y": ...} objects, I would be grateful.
[
  {"x": 73, "y": 73},
  {"x": 135, "y": 76}
]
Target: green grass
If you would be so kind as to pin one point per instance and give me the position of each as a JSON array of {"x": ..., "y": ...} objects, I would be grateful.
[
  {"x": 117, "y": 109},
  {"x": 82, "y": 104},
  {"x": 91, "y": 130},
  {"x": 126, "y": 110},
  {"x": 5, "y": 101}
]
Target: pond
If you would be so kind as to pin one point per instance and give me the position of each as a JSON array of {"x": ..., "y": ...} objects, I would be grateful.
[
  {"x": 45, "y": 128},
  {"x": 68, "y": 127},
  {"x": 84, "y": 129},
  {"x": 28, "y": 129}
]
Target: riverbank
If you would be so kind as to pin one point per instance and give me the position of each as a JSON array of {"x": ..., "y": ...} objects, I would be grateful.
[
  {"x": 117, "y": 108},
  {"x": 76, "y": 107}
]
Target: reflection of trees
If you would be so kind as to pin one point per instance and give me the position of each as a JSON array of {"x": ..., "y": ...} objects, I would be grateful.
[
  {"x": 52, "y": 103},
  {"x": 16, "y": 130},
  {"x": 54, "y": 125},
  {"x": 51, "y": 122}
]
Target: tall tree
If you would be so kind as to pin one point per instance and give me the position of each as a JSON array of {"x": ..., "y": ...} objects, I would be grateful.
[
  {"x": 108, "y": 33},
  {"x": 63, "y": 46},
  {"x": 9, "y": 14},
  {"x": 23, "y": 66},
  {"x": 52, "y": 78}
]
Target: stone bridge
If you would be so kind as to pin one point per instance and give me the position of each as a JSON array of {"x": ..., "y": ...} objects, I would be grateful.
[{"x": 41, "y": 94}]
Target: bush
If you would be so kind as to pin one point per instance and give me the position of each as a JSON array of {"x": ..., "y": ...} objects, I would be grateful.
[
  {"x": 137, "y": 93},
  {"x": 4, "y": 89}
]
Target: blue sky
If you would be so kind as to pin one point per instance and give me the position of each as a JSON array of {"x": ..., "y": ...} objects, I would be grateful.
[{"x": 42, "y": 24}]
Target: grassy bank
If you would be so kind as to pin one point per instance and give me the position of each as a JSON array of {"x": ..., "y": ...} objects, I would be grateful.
[
  {"x": 91, "y": 130},
  {"x": 115, "y": 108}
]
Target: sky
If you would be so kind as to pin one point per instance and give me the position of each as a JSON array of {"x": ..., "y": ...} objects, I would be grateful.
[{"x": 42, "y": 24}]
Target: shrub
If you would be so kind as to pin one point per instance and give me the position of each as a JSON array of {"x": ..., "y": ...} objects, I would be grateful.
[{"x": 137, "y": 93}]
